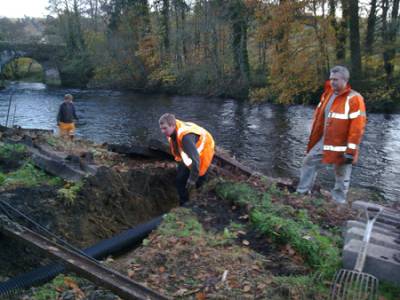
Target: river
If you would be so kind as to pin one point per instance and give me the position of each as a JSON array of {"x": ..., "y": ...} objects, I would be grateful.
[{"x": 269, "y": 138}]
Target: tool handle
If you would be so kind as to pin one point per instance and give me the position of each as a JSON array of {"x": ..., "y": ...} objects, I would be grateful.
[{"x": 362, "y": 254}]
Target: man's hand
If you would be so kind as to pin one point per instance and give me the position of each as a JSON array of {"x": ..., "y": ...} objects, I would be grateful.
[{"x": 348, "y": 158}]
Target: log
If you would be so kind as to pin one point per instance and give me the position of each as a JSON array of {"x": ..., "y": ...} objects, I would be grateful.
[{"x": 136, "y": 150}]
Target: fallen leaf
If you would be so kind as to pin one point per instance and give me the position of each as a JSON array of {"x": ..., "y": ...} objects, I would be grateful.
[
  {"x": 256, "y": 268},
  {"x": 261, "y": 286},
  {"x": 200, "y": 296},
  {"x": 246, "y": 288},
  {"x": 245, "y": 242},
  {"x": 131, "y": 273},
  {"x": 180, "y": 292}
]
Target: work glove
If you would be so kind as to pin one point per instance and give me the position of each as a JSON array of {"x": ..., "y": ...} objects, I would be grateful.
[{"x": 348, "y": 158}]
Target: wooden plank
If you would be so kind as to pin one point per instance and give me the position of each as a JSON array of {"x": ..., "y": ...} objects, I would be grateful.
[{"x": 81, "y": 264}]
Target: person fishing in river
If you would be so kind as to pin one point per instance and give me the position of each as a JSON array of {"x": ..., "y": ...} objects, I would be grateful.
[
  {"x": 66, "y": 117},
  {"x": 193, "y": 148}
]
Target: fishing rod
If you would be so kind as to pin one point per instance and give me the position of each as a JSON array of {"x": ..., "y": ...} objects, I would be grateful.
[
  {"x": 9, "y": 108},
  {"x": 15, "y": 111}
]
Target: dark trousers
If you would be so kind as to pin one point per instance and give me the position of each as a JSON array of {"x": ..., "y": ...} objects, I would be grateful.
[{"x": 181, "y": 180}]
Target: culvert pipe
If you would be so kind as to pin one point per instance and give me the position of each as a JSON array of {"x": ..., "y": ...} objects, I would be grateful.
[{"x": 102, "y": 249}]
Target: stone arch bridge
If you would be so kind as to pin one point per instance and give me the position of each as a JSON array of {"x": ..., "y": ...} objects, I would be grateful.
[{"x": 48, "y": 56}]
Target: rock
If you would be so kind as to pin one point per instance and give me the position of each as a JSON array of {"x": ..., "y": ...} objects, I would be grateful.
[
  {"x": 382, "y": 246},
  {"x": 67, "y": 295}
]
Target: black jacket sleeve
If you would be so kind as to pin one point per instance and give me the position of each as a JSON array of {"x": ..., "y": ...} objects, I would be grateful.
[
  {"x": 189, "y": 146},
  {"x": 59, "y": 113},
  {"x": 74, "y": 112}
]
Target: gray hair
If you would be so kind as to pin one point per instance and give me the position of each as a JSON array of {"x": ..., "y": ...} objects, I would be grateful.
[
  {"x": 343, "y": 71},
  {"x": 167, "y": 119}
]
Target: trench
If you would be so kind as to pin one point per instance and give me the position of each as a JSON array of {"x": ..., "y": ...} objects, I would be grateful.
[{"x": 108, "y": 203}]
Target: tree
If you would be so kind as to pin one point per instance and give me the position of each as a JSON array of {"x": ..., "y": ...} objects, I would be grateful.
[
  {"x": 370, "y": 36},
  {"x": 238, "y": 16},
  {"x": 390, "y": 29},
  {"x": 355, "y": 49},
  {"x": 342, "y": 32}
]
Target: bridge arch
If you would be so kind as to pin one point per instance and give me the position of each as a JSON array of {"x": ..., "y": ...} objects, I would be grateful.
[{"x": 48, "y": 56}]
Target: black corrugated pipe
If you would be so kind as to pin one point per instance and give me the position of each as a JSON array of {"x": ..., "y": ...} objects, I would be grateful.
[{"x": 104, "y": 248}]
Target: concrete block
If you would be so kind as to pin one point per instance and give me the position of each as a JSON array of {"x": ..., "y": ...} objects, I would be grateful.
[
  {"x": 379, "y": 228},
  {"x": 379, "y": 261},
  {"x": 376, "y": 238},
  {"x": 388, "y": 216}
]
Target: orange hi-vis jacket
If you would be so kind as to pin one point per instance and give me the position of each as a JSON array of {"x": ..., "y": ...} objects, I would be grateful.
[
  {"x": 344, "y": 128},
  {"x": 205, "y": 145}
]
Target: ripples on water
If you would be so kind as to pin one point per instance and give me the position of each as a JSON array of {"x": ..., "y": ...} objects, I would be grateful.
[{"x": 272, "y": 139}]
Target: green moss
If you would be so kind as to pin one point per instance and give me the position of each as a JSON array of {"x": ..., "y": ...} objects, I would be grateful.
[
  {"x": 28, "y": 176},
  {"x": 7, "y": 150}
]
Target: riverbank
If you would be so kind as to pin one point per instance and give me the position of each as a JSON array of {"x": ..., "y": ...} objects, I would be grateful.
[
  {"x": 269, "y": 138},
  {"x": 373, "y": 98},
  {"x": 239, "y": 236}
]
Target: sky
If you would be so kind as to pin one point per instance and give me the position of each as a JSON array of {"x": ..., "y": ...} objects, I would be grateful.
[{"x": 21, "y": 8}]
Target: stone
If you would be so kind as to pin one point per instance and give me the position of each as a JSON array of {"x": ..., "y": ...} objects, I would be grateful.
[
  {"x": 377, "y": 238},
  {"x": 379, "y": 261}
]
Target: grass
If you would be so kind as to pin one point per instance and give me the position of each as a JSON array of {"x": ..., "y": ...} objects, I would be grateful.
[
  {"x": 285, "y": 225},
  {"x": 389, "y": 291},
  {"x": 7, "y": 150},
  {"x": 28, "y": 176},
  {"x": 181, "y": 256},
  {"x": 54, "y": 288},
  {"x": 300, "y": 287},
  {"x": 183, "y": 224},
  {"x": 69, "y": 192}
]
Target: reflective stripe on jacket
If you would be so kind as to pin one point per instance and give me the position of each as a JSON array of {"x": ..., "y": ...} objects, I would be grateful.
[
  {"x": 344, "y": 128},
  {"x": 205, "y": 145}
]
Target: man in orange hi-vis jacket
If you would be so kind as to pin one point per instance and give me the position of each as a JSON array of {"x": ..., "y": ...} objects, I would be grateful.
[
  {"x": 337, "y": 130},
  {"x": 193, "y": 148}
]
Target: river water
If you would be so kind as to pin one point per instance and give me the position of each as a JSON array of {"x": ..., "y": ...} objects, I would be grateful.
[{"x": 271, "y": 139}]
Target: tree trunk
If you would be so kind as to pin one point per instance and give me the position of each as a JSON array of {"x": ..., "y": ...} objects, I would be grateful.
[
  {"x": 239, "y": 26},
  {"x": 165, "y": 26},
  {"x": 355, "y": 49},
  {"x": 390, "y": 30},
  {"x": 342, "y": 33},
  {"x": 369, "y": 39}
]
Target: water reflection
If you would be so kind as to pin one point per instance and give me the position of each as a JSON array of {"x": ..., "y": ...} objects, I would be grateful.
[{"x": 269, "y": 138}]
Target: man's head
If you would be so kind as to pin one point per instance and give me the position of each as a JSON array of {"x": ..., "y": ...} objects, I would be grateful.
[
  {"x": 339, "y": 78},
  {"x": 167, "y": 124},
  {"x": 68, "y": 98}
]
